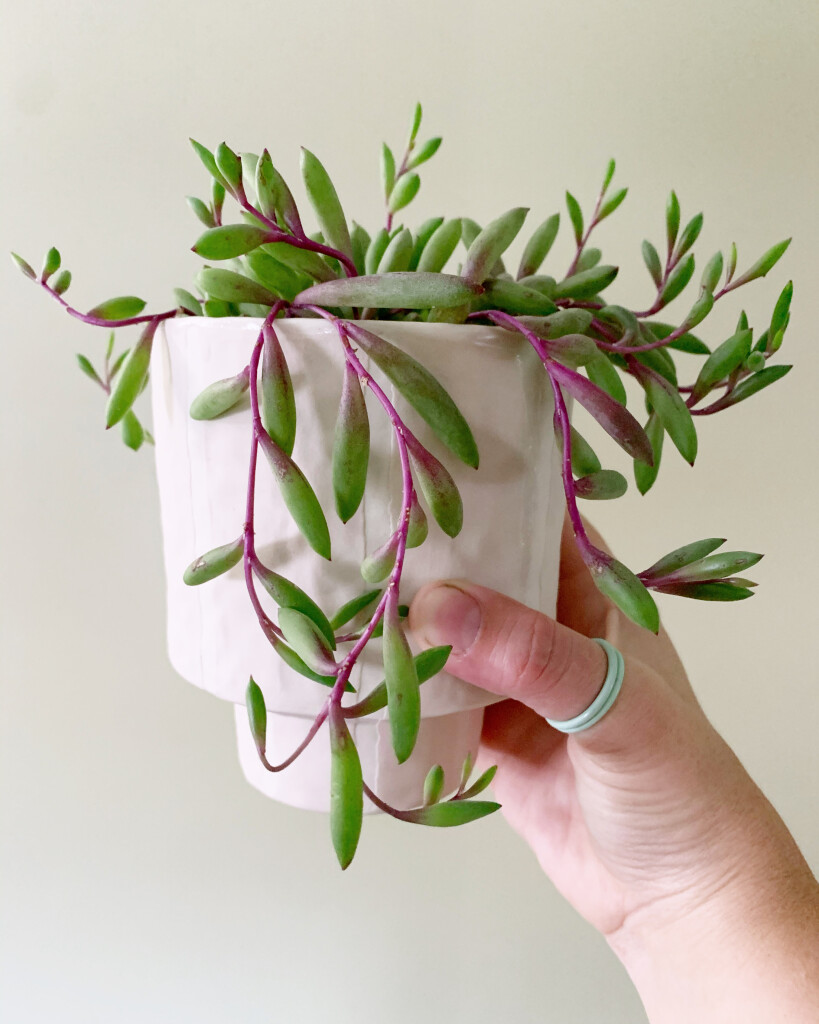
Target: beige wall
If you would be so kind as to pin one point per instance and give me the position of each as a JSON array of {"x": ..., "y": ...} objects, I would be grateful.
[{"x": 142, "y": 880}]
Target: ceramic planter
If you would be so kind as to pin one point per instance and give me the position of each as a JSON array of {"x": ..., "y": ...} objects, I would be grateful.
[{"x": 513, "y": 510}]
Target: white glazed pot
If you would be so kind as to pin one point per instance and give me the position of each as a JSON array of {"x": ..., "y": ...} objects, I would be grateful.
[{"x": 513, "y": 510}]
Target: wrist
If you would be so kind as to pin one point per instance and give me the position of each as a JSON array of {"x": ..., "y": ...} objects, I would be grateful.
[{"x": 748, "y": 952}]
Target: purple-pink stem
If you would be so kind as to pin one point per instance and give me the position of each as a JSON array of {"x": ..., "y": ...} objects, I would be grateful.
[
  {"x": 401, "y": 170},
  {"x": 297, "y": 241},
  {"x": 584, "y": 239},
  {"x": 97, "y": 321},
  {"x": 561, "y": 416}
]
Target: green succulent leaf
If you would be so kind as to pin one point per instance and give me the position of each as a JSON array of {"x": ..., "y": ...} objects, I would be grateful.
[
  {"x": 645, "y": 475},
  {"x": 685, "y": 343},
  {"x": 375, "y": 251},
  {"x": 423, "y": 236},
  {"x": 219, "y": 397},
  {"x": 491, "y": 243},
  {"x": 276, "y": 276},
  {"x": 360, "y": 241},
  {"x": 121, "y": 308},
  {"x": 438, "y": 248},
  {"x": 576, "y": 217},
  {"x": 398, "y": 253},
  {"x": 230, "y": 166},
  {"x": 712, "y": 273},
  {"x": 765, "y": 263},
  {"x": 601, "y": 486},
  {"x": 201, "y": 210},
  {"x": 587, "y": 283},
  {"x": 680, "y": 557},
  {"x": 404, "y": 290},
  {"x": 672, "y": 219},
  {"x": 257, "y": 715},
  {"x": 325, "y": 202},
  {"x": 751, "y": 385},
  {"x": 377, "y": 566},
  {"x": 288, "y": 595},
  {"x": 404, "y": 191},
  {"x": 516, "y": 298},
  {"x": 387, "y": 170},
  {"x": 651, "y": 259},
  {"x": 781, "y": 313},
  {"x": 51, "y": 264},
  {"x": 62, "y": 282},
  {"x": 85, "y": 365},
  {"x": 214, "y": 563},
  {"x": 588, "y": 258},
  {"x": 691, "y": 232},
  {"x": 677, "y": 280},
  {"x": 433, "y": 785},
  {"x": 604, "y": 374},
  {"x": 451, "y": 813},
  {"x": 209, "y": 161},
  {"x": 229, "y": 286},
  {"x": 539, "y": 246},
  {"x": 612, "y": 204},
  {"x": 292, "y": 660},
  {"x": 133, "y": 433},
  {"x": 229, "y": 241},
  {"x": 188, "y": 302},
  {"x": 427, "y": 665},
  {"x": 403, "y": 696},
  {"x": 301, "y": 261},
  {"x": 26, "y": 268},
  {"x": 351, "y": 448},
  {"x": 671, "y": 410},
  {"x": 274, "y": 197},
  {"x": 584, "y": 461},
  {"x": 299, "y": 497},
  {"x": 484, "y": 781},
  {"x": 277, "y": 400},
  {"x": 426, "y": 152},
  {"x": 722, "y": 362},
  {"x": 346, "y": 790},
  {"x": 347, "y": 612},
  {"x": 622, "y": 587},
  {"x": 722, "y": 590},
  {"x": 307, "y": 640},
  {"x": 423, "y": 392},
  {"x": 131, "y": 379},
  {"x": 714, "y": 567}
]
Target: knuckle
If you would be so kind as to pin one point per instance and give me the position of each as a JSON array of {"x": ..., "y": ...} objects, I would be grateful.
[{"x": 526, "y": 652}]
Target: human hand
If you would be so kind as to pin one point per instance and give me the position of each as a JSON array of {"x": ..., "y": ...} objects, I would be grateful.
[{"x": 646, "y": 822}]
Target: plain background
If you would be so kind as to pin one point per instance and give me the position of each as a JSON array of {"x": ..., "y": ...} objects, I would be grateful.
[{"x": 142, "y": 879}]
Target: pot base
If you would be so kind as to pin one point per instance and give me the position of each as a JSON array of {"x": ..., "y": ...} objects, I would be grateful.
[{"x": 442, "y": 739}]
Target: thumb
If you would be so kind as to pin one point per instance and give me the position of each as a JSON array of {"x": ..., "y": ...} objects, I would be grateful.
[{"x": 509, "y": 649}]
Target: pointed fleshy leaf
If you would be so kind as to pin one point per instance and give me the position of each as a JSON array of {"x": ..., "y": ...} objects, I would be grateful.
[
  {"x": 122, "y": 308},
  {"x": 292, "y": 660},
  {"x": 275, "y": 198},
  {"x": 614, "y": 418},
  {"x": 573, "y": 350},
  {"x": 781, "y": 312},
  {"x": 671, "y": 410},
  {"x": 425, "y": 152},
  {"x": 51, "y": 264},
  {"x": 603, "y": 373},
  {"x": 62, "y": 282},
  {"x": 377, "y": 566},
  {"x": 229, "y": 286},
  {"x": 346, "y": 790},
  {"x": 307, "y": 640},
  {"x": 765, "y": 263},
  {"x": 538, "y": 246},
  {"x": 611, "y": 204},
  {"x": 622, "y": 587},
  {"x": 348, "y": 611},
  {"x": 360, "y": 241},
  {"x": 131, "y": 378},
  {"x": 672, "y": 219},
  {"x": 513, "y": 297},
  {"x": 491, "y": 243},
  {"x": 228, "y": 241},
  {"x": 722, "y": 362},
  {"x": 351, "y": 447},
  {"x": 277, "y": 401},
  {"x": 418, "y": 114},
  {"x": 188, "y": 302},
  {"x": 660, "y": 361},
  {"x": 484, "y": 781},
  {"x": 690, "y": 233},
  {"x": 299, "y": 497},
  {"x": 755, "y": 383},
  {"x": 439, "y": 247},
  {"x": 230, "y": 166},
  {"x": 214, "y": 562},
  {"x": 601, "y": 486},
  {"x": 398, "y": 253},
  {"x": 208, "y": 160},
  {"x": 406, "y": 290},
  {"x": 375, "y": 250},
  {"x": 276, "y": 276},
  {"x": 439, "y": 489},
  {"x": 422, "y": 237},
  {"x": 85, "y": 365},
  {"x": 587, "y": 283},
  {"x": 301, "y": 261},
  {"x": 403, "y": 695},
  {"x": 418, "y": 528},
  {"x": 387, "y": 170},
  {"x": 700, "y": 310},
  {"x": 450, "y": 813},
  {"x": 466, "y": 770},
  {"x": 685, "y": 343},
  {"x": 219, "y": 397},
  {"x": 680, "y": 557},
  {"x": 722, "y": 590},
  {"x": 651, "y": 259},
  {"x": 589, "y": 258},
  {"x": 404, "y": 191},
  {"x": 423, "y": 392},
  {"x": 576, "y": 217},
  {"x": 713, "y": 567},
  {"x": 584, "y": 461},
  {"x": 201, "y": 210},
  {"x": 433, "y": 785},
  {"x": 677, "y": 280},
  {"x": 133, "y": 433},
  {"x": 645, "y": 475},
  {"x": 26, "y": 268},
  {"x": 712, "y": 273},
  {"x": 257, "y": 715},
  {"x": 325, "y": 202},
  {"x": 288, "y": 595},
  {"x": 427, "y": 665}
]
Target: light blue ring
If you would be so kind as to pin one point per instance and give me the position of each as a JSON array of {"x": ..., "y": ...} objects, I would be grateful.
[{"x": 604, "y": 699}]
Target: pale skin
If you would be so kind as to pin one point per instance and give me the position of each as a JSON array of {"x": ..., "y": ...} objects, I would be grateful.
[{"x": 646, "y": 822}]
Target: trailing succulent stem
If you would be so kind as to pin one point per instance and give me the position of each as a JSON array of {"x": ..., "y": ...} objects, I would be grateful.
[{"x": 264, "y": 264}]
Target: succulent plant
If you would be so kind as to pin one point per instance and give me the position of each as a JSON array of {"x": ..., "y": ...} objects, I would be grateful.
[{"x": 270, "y": 267}]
